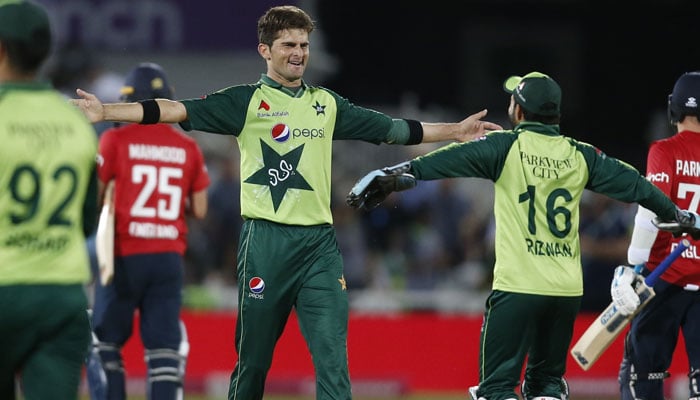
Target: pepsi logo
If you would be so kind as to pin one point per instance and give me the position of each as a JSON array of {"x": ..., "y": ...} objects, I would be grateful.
[
  {"x": 280, "y": 133},
  {"x": 256, "y": 284}
]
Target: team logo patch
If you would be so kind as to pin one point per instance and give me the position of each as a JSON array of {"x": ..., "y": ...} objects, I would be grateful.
[
  {"x": 280, "y": 133},
  {"x": 256, "y": 285},
  {"x": 320, "y": 109}
]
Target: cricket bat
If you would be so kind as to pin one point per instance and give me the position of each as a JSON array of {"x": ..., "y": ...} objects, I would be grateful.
[
  {"x": 104, "y": 238},
  {"x": 608, "y": 325}
]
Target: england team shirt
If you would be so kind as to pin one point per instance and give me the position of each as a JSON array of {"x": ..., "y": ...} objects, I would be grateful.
[
  {"x": 156, "y": 168},
  {"x": 673, "y": 165}
]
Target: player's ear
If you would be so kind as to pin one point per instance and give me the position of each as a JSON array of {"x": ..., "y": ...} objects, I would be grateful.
[
  {"x": 264, "y": 51},
  {"x": 519, "y": 114}
]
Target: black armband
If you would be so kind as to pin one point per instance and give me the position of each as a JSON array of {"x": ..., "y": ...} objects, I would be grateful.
[
  {"x": 151, "y": 112},
  {"x": 415, "y": 132}
]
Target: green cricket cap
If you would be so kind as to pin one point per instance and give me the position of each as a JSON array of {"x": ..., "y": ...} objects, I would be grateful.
[
  {"x": 535, "y": 92},
  {"x": 25, "y": 22}
]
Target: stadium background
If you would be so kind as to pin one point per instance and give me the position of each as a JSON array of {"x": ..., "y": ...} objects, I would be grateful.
[{"x": 437, "y": 60}]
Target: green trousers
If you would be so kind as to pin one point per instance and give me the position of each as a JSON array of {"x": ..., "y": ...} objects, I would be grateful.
[
  {"x": 525, "y": 327},
  {"x": 44, "y": 336},
  {"x": 280, "y": 268}
]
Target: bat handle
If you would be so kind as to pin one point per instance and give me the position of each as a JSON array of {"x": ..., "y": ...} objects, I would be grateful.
[{"x": 651, "y": 279}]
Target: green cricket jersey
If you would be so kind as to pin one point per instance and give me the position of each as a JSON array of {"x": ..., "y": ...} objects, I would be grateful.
[
  {"x": 285, "y": 140},
  {"x": 47, "y": 159},
  {"x": 539, "y": 178}
]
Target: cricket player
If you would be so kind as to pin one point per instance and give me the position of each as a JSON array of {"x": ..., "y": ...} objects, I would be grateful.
[
  {"x": 288, "y": 256},
  {"x": 48, "y": 206},
  {"x": 160, "y": 178},
  {"x": 673, "y": 165},
  {"x": 539, "y": 176}
]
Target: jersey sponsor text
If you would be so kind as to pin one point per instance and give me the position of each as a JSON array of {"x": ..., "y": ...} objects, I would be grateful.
[
  {"x": 545, "y": 167},
  {"x": 272, "y": 114},
  {"x": 168, "y": 154},
  {"x": 37, "y": 242},
  {"x": 308, "y": 133},
  {"x": 548, "y": 249},
  {"x": 661, "y": 177},
  {"x": 41, "y": 134}
]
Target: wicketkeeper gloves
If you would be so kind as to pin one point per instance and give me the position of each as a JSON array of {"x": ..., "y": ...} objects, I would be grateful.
[
  {"x": 374, "y": 187},
  {"x": 686, "y": 222}
]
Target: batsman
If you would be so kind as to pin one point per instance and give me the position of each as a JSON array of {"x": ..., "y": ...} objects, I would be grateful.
[
  {"x": 539, "y": 176},
  {"x": 653, "y": 335}
]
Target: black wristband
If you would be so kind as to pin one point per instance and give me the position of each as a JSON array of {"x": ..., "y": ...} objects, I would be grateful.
[
  {"x": 415, "y": 132},
  {"x": 151, "y": 112}
]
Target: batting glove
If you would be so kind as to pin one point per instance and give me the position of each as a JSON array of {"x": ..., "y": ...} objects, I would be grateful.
[
  {"x": 374, "y": 187},
  {"x": 623, "y": 295},
  {"x": 685, "y": 222}
]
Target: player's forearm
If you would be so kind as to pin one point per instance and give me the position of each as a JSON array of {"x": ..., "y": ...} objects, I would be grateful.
[
  {"x": 170, "y": 111},
  {"x": 439, "y": 132},
  {"x": 123, "y": 112}
]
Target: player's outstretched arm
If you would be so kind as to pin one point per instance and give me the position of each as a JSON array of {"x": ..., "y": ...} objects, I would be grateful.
[
  {"x": 162, "y": 110},
  {"x": 466, "y": 130}
]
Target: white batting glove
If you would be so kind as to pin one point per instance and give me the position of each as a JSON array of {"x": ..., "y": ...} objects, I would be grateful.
[{"x": 623, "y": 295}]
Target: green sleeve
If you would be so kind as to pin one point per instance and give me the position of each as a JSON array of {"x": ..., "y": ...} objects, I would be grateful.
[
  {"x": 480, "y": 158},
  {"x": 222, "y": 112},
  {"x": 358, "y": 123},
  {"x": 619, "y": 180},
  {"x": 399, "y": 133}
]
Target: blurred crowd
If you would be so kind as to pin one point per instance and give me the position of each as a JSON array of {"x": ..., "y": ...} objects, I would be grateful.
[{"x": 436, "y": 236}]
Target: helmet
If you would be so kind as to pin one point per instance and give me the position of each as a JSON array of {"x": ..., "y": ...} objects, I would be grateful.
[
  {"x": 685, "y": 98},
  {"x": 146, "y": 81}
]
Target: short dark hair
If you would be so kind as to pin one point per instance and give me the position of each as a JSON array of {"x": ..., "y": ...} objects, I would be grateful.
[{"x": 280, "y": 18}]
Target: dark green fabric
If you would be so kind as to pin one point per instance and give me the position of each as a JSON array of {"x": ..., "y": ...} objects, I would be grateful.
[
  {"x": 302, "y": 270},
  {"x": 544, "y": 327},
  {"x": 44, "y": 328}
]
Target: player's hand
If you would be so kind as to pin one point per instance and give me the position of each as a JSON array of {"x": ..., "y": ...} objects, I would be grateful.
[
  {"x": 623, "y": 295},
  {"x": 374, "y": 187},
  {"x": 473, "y": 127},
  {"x": 90, "y": 105},
  {"x": 685, "y": 222}
]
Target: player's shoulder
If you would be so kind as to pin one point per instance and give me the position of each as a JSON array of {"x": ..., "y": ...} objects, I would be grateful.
[
  {"x": 670, "y": 142},
  {"x": 323, "y": 89}
]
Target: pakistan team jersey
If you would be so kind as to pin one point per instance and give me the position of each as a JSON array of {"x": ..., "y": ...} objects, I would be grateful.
[
  {"x": 539, "y": 178},
  {"x": 673, "y": 167},
  {"x": 47, "y": 158},
  {"x": 285, "y": 140}
]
